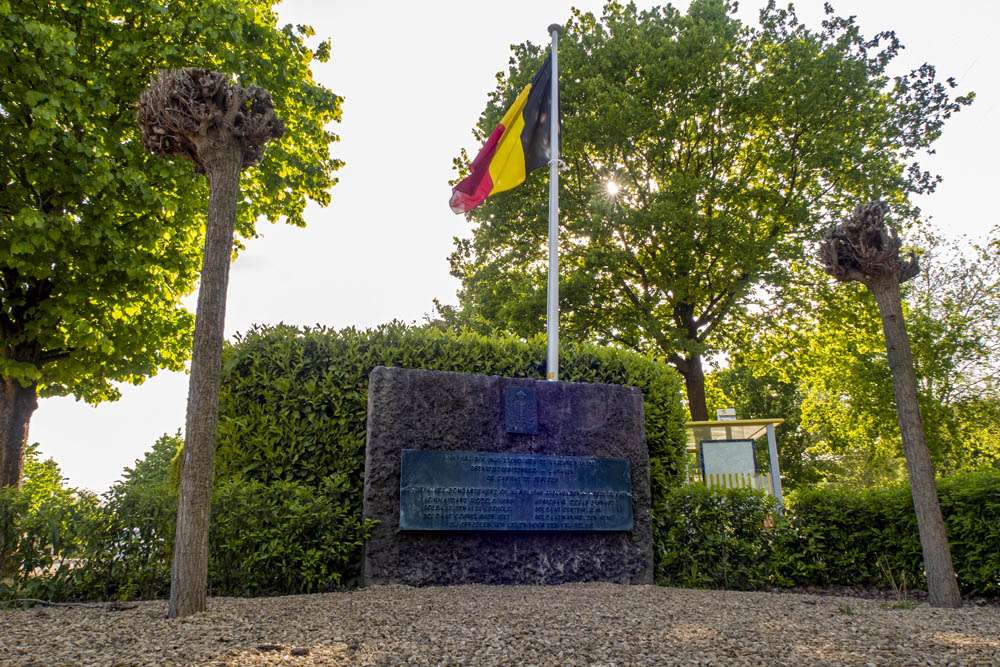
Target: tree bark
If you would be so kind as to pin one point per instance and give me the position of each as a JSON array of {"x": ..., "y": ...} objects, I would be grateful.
[
  {"x": 189, "y": 577},
  {"x": 942, "y": 586},
  {"x": 17, "y": 404},
  {"x": 694, "y": 383}
]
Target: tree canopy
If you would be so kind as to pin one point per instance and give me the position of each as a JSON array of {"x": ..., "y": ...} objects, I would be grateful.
[
  {"x": 700, "y": 155},
  {"x": 755, "y": 393},
  {"x": 98, "y": 240},
  {"x": 826, "y": 341}
]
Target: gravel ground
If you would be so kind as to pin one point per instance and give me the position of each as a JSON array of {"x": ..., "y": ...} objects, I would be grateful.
[{"x": 574, "y": 624}]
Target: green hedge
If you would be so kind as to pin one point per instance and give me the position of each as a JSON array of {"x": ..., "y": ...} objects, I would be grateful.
[
  {"x": 714, "y": 538},
  {"x": 286, "y": 536},
  {"x": 729, "y": 538},
  {"x": 971, "y": 505},
  {"x": 41, "y": 528},
  {"x": 844, "y": 537},
  {"x": 293, "y": 402},
  {"x": 283, "y": 537}
]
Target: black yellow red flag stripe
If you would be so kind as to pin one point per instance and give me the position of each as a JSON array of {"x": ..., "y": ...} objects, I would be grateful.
[{"x": 519, "y": 144}]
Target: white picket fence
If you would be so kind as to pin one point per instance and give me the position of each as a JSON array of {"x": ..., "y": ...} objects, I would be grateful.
[{"x": 736, "y": 480}]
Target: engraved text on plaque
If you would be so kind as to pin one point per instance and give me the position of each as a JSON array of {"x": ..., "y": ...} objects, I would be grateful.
[{"x": 464, "y": 490}]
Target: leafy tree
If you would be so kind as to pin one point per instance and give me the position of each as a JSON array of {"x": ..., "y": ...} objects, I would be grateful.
[
  {"x": 955, "y": 311},
  {"x": 755, "y": 395},
  {"x": 153, "y": 470},
  {"x": 700, "y": 154},
  {"x": 864, "y": 249},
  {"x": 827, "y": 342},
  {"x": 99, "y": 242}
]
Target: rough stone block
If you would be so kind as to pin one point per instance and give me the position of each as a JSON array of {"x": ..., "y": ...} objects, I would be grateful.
[{"x": 431, "y": 410}]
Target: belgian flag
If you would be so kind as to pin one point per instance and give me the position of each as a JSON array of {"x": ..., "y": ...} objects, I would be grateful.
[{"x": 519, "y": 144}]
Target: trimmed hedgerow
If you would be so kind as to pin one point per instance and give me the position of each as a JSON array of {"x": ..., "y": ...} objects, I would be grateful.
[
  {"x": 717, "y": 538},
  {"x": 971, "y": 506},
  {"x": 293, "y": 401},
  {"x": 286, "y": 510},
  {"x": 845, "y": 537},
  {"x": 714, "y": 538},
  {"x": 283, "y": 537}
]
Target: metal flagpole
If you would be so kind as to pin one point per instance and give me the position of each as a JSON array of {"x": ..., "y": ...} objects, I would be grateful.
[{"x": 552, "y": 310}]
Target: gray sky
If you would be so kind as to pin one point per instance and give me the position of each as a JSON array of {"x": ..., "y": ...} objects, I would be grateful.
[{"x": 415, "y": 77}]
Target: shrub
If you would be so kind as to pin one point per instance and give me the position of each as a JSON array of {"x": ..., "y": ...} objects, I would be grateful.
[
  {"x": 284, "y": 537},
  {"x": 849, "y": 537},
  {"x": 61, "y": 543},
  {"x": 286, "y": 511},
  {"x": 129, "y": 543},
  {"x": 714, "y": 538},
  {"x": 293, "y": 408},
  {"x": 278, "y": 537},
  {"x": 40, "y": 532},
  {"x": 971, "y": 507},
  {"x": 281, "y": 537},
  {"x": 837, "y": 536},
  {"x": 718, "y": 538}
]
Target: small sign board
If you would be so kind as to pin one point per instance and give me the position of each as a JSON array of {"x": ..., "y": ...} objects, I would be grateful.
[
  {"x": 727, "y": 456},
  {"x": 466, "y": 490}
]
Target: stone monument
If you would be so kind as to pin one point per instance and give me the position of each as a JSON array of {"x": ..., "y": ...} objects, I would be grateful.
[{"x": 491, "y": 480}]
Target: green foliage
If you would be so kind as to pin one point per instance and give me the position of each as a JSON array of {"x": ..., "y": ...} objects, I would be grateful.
[
  {"x": 728, "y": 145},
  {"x": 714, "y": 538},
  {"x": 128, "y": 543},
  {"x": 286, "y": 514},
  {"x": 293, "y": 402},
  {"x": 284, "y": 537},
  {"x": 152, "y": 471},
  {"x": 826, "y": 342},
  {"x": 67, "y": 544},
  {"x": 281, "y": 537},
  {"x": 99, "y": 242},
  {"x": 971, "y": 506},
  {"x": 839, "y": 536},
  {"x": 40, "y": 532},
  {"x": 724, "y": 538},
  {"x": 761, "y": 396}
]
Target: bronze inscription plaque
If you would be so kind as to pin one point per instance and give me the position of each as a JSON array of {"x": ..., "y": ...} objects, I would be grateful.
[{"x": 465, "y": 490}]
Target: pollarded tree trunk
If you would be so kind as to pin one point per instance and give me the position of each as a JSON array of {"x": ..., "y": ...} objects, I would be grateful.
[
  {"x": 941, "y": 584},
  {"x": 190, "y": 564},
  {"x": 863, "y": 249},
  {"x": 223, "y": 128},
  {"x": 17, "y": 404}
]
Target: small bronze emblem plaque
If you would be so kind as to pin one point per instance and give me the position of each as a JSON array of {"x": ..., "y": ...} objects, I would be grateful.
[
  {"x": 520, "y": 410},
  {"x": 463, "y": 490}
]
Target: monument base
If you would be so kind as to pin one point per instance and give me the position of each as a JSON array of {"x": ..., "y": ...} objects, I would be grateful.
[{"x": 430, "y": 410}]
